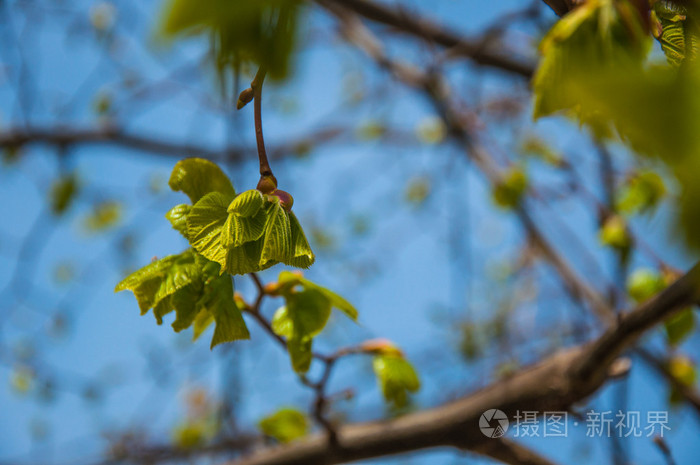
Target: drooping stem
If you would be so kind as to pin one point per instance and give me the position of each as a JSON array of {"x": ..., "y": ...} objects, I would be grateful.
[{"x": 257, "y": 85}]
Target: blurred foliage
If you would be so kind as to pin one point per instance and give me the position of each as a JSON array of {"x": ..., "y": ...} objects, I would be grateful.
[
  {"x": 508, "y": 192},
  {"x": 594, "y": 68},
  {"x": 63, "y": 192},
  {"x": 397, "y": 378},
  {"x": 105, "y": 215},
  {"x": 614, "y": 234},
  {"x": 684, "y": 371},
  {"x": 641, "y": 193},
  {"x": 536, "y": 147},
  {"x": 285, "y": 425},
  {"x": 680, "y": 326},
  {"x": 644, "y": 283},
  {"x": 431, "y": 130},
  {"x": 262, "y": 32},
  {"x": 417, "y": 190}
]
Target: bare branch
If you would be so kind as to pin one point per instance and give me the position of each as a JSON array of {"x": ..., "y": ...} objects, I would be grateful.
[{"x": 411, "y": 24}]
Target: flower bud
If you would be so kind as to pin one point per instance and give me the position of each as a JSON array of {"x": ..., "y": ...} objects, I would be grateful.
[{"x": 286, "y": 199}]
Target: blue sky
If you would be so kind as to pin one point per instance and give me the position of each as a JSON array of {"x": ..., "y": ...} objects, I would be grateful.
[{"x": 402, "y": 275}]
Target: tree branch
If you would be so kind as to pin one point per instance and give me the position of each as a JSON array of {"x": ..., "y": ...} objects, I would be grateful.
[
  {"x": 554, "y": 384},
  {"x": 410, "y": 24}
]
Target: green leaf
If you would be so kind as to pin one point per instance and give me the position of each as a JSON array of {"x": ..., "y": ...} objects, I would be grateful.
[
  {"x": 219, "y": 302},
  {"x": 194, "y": 288},
  {"x": 305, "y": 314},
  {"x": 643, "y": 284},
  {"x": 201, "y": 322},
  {"x": 197, "y": 177},
  {"x": 641, "y": 193},
  {"x": 397, "y": 378},
  {"x": 205, "y": 223},
  {"x": 285, "y": 425},
  {"x": 185, "y": 303},
  {"x": 239, "y": 229},
  {"x": 178, "y": 218},
  {"x": 277, "y": 246},
  {"x": 303, "y": 317},
  {"x": 671, "y": 19},
  {"x": 289, "y": 279},
  {"x": 63, "y": 192},
  {"x": 247, "y": 203},
  {"x": 302, "y": 255},
  {"x": 300, "y": 353},
  {"x": 160, "y": 279},
  {"x": 680, "y": 326}
]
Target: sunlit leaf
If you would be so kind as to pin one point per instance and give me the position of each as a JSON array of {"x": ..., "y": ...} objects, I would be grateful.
[
  {"x": 204, "y": 225},
  {"x": 160, "y": 279},
  {"x": 302, "y": 256},
  {"x": 194, "y": 288},
  {"x": 178, "y": 218},
  {"x": 197, "y": 177},
  {"x": 278, "y": 236},
  {"x": 247, "y": 203}
]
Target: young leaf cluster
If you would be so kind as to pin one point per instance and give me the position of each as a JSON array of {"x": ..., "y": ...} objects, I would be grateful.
[
  {"x": 190, "y": 285},
  {"x": 230, "y": 233},
  {"x": 243, "y": 233}
]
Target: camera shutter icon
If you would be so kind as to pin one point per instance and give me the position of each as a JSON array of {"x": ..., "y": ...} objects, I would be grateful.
[{"x": 493, "y": 423}]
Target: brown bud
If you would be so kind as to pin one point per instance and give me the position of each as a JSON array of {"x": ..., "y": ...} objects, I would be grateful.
[
  {"x": 267, "y": 184},
  {"x": 244, "y": 98}
]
